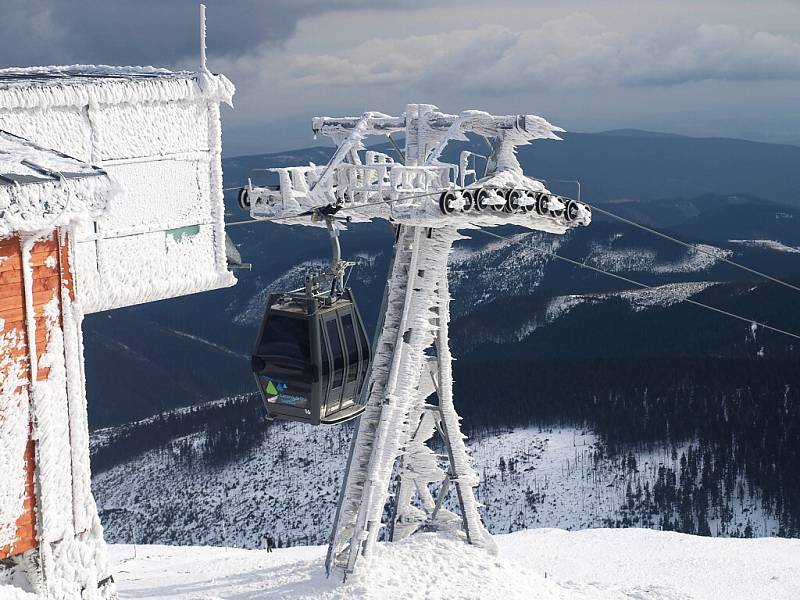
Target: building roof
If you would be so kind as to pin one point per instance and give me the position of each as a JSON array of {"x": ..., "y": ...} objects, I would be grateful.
[
  {"x": 23, "y": 162},
  {"x": 80, "y": 85},
  {"x": 41, "y": 189},
  {"x": 81, "y": 74}
]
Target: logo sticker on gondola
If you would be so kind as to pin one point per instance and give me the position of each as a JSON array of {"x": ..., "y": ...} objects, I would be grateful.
[
  {"x": 276, "y": 392},
  {"x": 273, "y": 390}
]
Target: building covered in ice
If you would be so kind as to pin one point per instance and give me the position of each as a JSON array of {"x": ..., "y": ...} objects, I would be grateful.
[
  {"x": 110, "y": 195},
  {"x": 157, "y": 134}
]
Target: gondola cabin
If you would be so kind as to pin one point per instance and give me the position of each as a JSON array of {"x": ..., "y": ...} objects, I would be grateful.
[{"x": 311, "y": 358}]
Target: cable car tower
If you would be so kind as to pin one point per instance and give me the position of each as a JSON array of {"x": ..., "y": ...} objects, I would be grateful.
[{"x": 428, "y": 201}]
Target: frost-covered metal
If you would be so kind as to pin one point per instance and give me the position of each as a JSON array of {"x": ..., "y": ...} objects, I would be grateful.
[
  {"x": 41, "y": 189},
  {"x": 429, "y": 200},
  {"x": 157, "y": 134},
  {"x": 421, "y": 189}
]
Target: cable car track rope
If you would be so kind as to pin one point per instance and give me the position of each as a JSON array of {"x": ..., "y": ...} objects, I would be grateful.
[
  {"x": 693, "y": 247},
  {"x": 639, "y": 284},
  {"x": 594, "y": 207},
  {"x": 584, "y": 265}
]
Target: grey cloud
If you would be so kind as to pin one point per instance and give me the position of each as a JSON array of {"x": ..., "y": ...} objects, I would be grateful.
[
  {"x": 157, "y": 32},
  {"x": 574, "y": 52}
]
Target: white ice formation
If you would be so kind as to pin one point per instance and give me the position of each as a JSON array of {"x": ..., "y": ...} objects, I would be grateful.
[
  {"x": 423, "y": 190},
  {"x": 118, "y": 169},
  {"x": 429, "y": 200},
  {"x": 157, "y": 134}
]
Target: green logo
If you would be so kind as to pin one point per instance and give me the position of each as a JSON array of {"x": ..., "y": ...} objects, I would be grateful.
[{"x": 271, "y": 389}]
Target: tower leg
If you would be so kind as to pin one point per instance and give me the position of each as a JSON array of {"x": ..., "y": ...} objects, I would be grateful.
[{"x": 465, "y": 478}]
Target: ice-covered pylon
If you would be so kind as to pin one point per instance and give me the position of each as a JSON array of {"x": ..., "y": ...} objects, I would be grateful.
[
  {"x": 408, "y": 396},
  {"x": 420, "y": 465},
  {"x": 398, "y": 420}
]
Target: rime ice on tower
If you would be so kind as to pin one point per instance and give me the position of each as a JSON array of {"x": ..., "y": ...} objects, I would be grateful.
[
  {"x": 110, "y": 195},
  {"x": 428, "y": 200}
]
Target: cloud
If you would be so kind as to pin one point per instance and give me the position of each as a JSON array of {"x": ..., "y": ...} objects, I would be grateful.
[
  {"x": 157, "y": 32},
  {"x": 573, "y": 53},
  {"x": 294, "y": 58}
]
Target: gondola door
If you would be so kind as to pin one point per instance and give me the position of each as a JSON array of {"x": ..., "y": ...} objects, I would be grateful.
[
  {"x": 352, "y": 357},
  {"x": 284, "y": 366},
  {"x": 333, "y": 339}
]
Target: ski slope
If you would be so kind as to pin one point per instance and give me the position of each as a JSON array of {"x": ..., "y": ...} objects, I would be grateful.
[{"x": 553, "y": 564}]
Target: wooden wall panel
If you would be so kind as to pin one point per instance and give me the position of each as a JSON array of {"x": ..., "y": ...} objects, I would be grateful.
[
  {"x": 49, "y": 259},
  {"x": 26, "y": 523},
  {"x": 12, "y": 313}
]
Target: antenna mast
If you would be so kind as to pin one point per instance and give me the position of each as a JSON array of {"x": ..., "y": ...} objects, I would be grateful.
[{"x": 203, "y": 66}]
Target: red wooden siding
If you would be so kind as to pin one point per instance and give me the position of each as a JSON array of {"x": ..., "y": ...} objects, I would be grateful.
[{"x": 46, "y": 285}]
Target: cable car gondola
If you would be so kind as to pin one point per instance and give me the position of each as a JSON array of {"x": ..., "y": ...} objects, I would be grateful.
[{"x": 312, "y": 355}]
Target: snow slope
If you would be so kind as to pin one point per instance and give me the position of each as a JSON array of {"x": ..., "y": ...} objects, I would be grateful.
[
  {"x": 607, "y": 564},
  {"x": 768, "y": 245},
  {"x": 641, "y": 299},
  {"x": 611, "y": 257},
  {"x": 288, "y": 485}
]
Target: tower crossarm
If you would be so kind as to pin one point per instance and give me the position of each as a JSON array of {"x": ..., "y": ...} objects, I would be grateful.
[
  {"x": 423, "y": 189},
  {"x": 475, "y": 121}
]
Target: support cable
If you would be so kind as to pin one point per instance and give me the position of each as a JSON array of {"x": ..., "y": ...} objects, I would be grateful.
[
  {"x": 590, "y": 267},
  {"x": 642, "y": 285},
  {"x": 693, "y": 247}
]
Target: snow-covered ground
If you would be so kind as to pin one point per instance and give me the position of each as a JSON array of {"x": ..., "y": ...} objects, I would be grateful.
[
  {"x": 553, "y": 564},
  {"x": 642, "y": 299},
  {"x": 499, "y": 269},
  {"x": 639, "y": 299},
  {"x": 288, "y": 487},
  {"x": 632, "y": 259},
  {"x": 768, "y": 245}
]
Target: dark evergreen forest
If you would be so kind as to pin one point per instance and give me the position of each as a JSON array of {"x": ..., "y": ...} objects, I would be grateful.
[{"x": 741, "y": 415}]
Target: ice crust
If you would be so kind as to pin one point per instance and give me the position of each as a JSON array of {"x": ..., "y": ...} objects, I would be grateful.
[
  {"x": 50, "y": 200},
  {"x": 71, "y": 556},
  {"x": 14, "y": 419},
  {"x": 81, "y": 85},
  {"x": 148, "y": 226},
  {"x": 409, "y": 193},
  {"x": 417, "y": 314},
  {"x": 158, "y": 136}
]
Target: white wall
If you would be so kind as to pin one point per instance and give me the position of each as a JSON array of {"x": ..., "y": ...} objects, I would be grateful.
[{"x": 162, "y": 235}]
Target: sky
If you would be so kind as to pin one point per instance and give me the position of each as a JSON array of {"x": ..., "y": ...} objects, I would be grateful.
[{"x": 707, "y": 68}]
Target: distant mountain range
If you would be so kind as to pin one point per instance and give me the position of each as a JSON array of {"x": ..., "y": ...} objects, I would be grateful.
[{"x": 735, "y": 195}]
